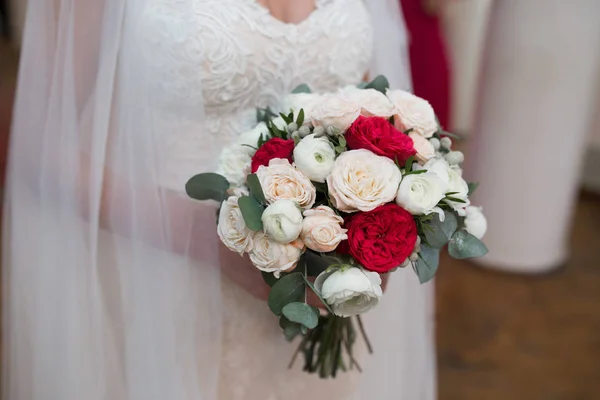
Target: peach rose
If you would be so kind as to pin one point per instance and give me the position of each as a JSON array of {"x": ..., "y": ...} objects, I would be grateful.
[
  {"x": 413, "y": 112},
  {"x": 322, "y": 229},
  {"x": 362, "y": 181},
  {"x": 425, "y": 150},
  {"x": 270, "y": 256},
  {"x": 280, "y": 180}
]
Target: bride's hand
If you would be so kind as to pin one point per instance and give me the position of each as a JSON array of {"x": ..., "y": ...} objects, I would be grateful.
[{"x": 241, "y": 271}]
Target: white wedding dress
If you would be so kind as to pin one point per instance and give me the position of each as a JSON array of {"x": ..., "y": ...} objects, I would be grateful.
[{"x": 225, "y": 58}]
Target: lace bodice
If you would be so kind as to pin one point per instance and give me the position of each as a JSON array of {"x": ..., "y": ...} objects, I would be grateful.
[{"x": 230, "y": 56}]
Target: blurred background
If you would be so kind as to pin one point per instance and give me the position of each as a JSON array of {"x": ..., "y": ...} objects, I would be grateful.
[{"x": 520, "y": 81}]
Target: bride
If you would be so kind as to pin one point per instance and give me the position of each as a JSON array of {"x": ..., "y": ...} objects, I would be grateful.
[{"x": 113, "y": 284}]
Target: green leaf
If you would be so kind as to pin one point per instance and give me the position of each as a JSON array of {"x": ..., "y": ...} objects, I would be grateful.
[
  {"x": 427, "y": 264},
  {"x": 442, "y": 232},
  {"x": 342, "y": 141},
  {"x": 288, "y": 289},
  {"x": 286, "y": 118},
  {"x": 320, "y": 186},
  {"x": 472, "y": 187},
  {"x": 260, "y": 115},
  {"x": 300, "y": 118},
  {"x": 408, "y": 164},
  {"x": 290, "y": 329},
  {"x": 301, "y": 89},
  {"x": 464, "y": 245},
  {"x": 317, "y": 263},
  {"x": 450, "y": 135},
  {"x": 340, "y": 149},
  {"x": 207, "y": 186},
  {"x": 252, "y": 212},
  {"x": 302, "y": 313},
  {"x": 362, "y": 85},
  {"x": 416, "y": 172},
  {"x": 255, "y": 188},
  {"x": 380, "y": 83},
  {"x": 455, "y": 199},
  {"x": 312, "y": 287},
  {"x": 269, "y": 278}
]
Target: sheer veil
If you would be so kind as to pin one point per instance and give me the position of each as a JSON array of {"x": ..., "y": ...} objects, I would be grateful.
[{"x": 111, "y": 286}]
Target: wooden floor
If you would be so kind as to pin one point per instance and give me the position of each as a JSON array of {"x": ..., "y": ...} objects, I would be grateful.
[{"x": 500, "y": 336}]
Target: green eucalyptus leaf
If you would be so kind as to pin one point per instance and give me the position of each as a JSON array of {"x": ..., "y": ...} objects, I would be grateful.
[
  {"x": 255, "y": 188},
  {"x": 427, "y": 264},
  {"x": 301, "y": 89},
  {"x": 252, "y": 212},
  {"x": 207, "y": 186},
  {"x": 342, "y": 141},
  {"x": 300, "y": 118},
  {"x": 380, "y": 83},
  {"x": 472, "y": 187},
  {"x": 442, "y": 232},
  {"x": 288, "y": 289},
  {"x": 302, "y": 313},
  {"x": 290, "y": 329},
  {"x": 362, "y": 85},
  {"x": 269, "y": 278},
  {"x": 464, "y": 245}
]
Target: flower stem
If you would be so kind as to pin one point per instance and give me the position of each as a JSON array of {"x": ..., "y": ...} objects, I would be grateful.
[{"x": 364, "y": 334}]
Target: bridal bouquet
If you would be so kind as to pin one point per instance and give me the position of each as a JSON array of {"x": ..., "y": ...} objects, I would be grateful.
[{"x": 332, "y": 195}]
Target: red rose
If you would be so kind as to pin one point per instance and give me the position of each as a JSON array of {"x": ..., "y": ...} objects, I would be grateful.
[
  {"x": 274, "y": 148},
  {"x": 382, "y": 239},
  {"x": 378, "y": 135}
]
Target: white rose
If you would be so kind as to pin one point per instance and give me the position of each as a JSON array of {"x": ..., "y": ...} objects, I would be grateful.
[
  {"x": 362, "y": 181},
  {"x": 282, "y": 221},
  {"x": 456, "y": 183},
  {"x": 413, "y": 112},
  {"x": 475, "y": 222},
  {"x": 350, "y": 292},
  {"x": 280, "y": 180},
  {"x": 371, "y": 101},
  {"x": 424, "y": 148},
  {"x": 336, "y": 109},
  {"x": 322, "y": 229},
  {"x": 234, "y": 165},
  {"x": 270, "y": 256},
  {"x": 249, "y": 140},
  {"x": 232, "y": 229},
  {"x": 314, "y": 156},
  {"x": 306, "y": 101},
  {"x": 420, "y": 193}
]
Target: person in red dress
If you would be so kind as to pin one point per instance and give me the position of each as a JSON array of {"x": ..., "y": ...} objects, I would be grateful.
[{"x": 429, "y": 61}]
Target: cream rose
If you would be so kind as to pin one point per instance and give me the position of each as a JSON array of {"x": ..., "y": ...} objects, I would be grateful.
[
  {"x": 270, "y": 256},
  {"x": 362, "y": 181},
  {"x": 314, "y": 156},
  {"x": 282, "y": 221},
  {"x": 413, "y": 112},
  {"x": 248, "y": 141},
  {"x": 350, "y": 292},
  {"x": 280, "y": 180},
  {"x": 420, "y": 193},
  {"x": 371, "y": 101},
  {"x": 232, "y": 229},
  {"x": 425, "y": 150},
  {"x": 234, "y": 165},
  {"x": 322, "y": 229},
  {"x": 475, "y": 222},
  {"x": 336, "y": 109}
]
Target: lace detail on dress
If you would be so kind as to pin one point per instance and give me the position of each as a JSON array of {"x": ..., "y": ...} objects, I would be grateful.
[{"x": 228, "y": 57}]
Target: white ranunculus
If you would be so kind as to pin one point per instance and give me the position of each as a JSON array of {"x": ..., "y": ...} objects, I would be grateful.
[
  {"x": 336, "y": 109},
  {"x": 362, "y": 181},
  {"x": 248, "y": 140},
  {"x": 350, "y": 292},
  {"x": 420, "y": 193},
  {"x": 322, "y": 229},
  {"x": 413, "y": 112},
  {"x": 424, "y": 148},
  {"x": 280, "y": 180},
  {"x": 270, "y": 256},
  {"x": 475, "y": 222},
  {"x": 232, "y": 229},
  {"x": 371, "y": 101},
  {"x": 306, "y": 101},
  {"x": 314, "y": 156},
  {"x": 235, "y": 165},
  {"x": 282, "y": 221},
  {"x": 456, "y": 183}
]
